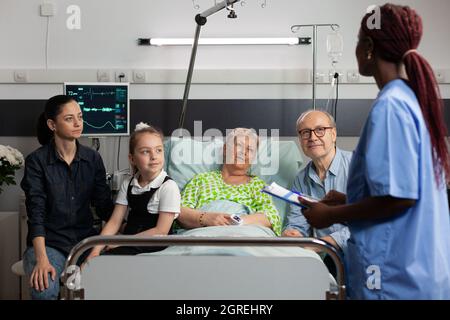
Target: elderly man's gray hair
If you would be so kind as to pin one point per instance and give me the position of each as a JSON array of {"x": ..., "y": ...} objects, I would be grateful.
[{"x": 304, "y": 114}]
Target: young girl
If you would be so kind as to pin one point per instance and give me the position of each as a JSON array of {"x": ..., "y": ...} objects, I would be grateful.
[{"x": 152, "y": 197}]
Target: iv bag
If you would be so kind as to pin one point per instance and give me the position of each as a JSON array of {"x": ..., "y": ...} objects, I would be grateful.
[{"x": 335, "y": 46}]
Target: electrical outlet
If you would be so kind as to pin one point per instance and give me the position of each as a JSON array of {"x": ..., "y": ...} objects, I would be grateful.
[
  {"x": 352, "y": 76},
  {"x": 20, "y": 76},
  {"x": 122, "y": 76},
  {"x": 331, "y": 75},
  {"x": 103, "y": 76},
  {"x": 47, "y": 9},
  {"x": 139, "y": 76},
  {"x": 440, "y": 75}
]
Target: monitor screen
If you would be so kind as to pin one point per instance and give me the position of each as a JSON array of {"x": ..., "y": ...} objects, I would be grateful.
[{"x": 105, "y": 107}]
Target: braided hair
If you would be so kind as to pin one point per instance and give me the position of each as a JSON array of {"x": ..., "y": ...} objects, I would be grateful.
[{"x": 396, "y": 41}]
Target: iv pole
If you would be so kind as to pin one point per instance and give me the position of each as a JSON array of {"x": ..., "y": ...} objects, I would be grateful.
[
  {"x": 297, "y": 27},
  {"x": 200, "y": 19}
]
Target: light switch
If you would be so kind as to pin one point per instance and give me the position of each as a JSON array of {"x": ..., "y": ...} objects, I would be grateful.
[
  {"x": 352, "y": 76},
  {"x": 20, "y": 76},
  {"x": 103, "y": 76},
  {"x": 320, "y": 76},
  {"x": 139, "y": 76},
  {"x": 47, "y": 9}
]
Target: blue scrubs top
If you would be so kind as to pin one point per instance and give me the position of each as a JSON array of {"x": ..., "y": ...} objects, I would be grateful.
[{"x": 406, "y": 256}]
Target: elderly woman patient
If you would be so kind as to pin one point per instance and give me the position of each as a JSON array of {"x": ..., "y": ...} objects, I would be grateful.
[{"x": 231, "y": 184}]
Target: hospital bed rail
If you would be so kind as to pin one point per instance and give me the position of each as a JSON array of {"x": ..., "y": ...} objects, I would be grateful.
[{"x": 70, "y": 291}]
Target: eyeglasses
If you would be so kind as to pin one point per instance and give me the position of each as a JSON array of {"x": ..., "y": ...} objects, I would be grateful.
[{"x": 319, "y": 132}]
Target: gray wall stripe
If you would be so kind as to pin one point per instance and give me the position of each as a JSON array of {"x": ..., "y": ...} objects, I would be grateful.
[{"x": 18, "y": 117}]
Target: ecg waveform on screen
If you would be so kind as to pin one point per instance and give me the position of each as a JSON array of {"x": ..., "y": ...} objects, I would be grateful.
[
  {"x": 98, "y": 109},
  {"x": 89, "y": 92},
  {"x": 105, "y": 108},
  {"x": 101, "y": 127},
  {"x": 118, "y": 122}
]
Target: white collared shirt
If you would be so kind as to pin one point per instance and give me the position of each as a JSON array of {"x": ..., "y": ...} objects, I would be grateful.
[{"x": 166, "y": 199}]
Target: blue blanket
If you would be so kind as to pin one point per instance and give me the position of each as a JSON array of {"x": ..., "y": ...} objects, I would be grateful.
[
  {"x": 230, "y": 207},
  {"x": 226, "y": 206},
  {"x": 234, "y": 231}
]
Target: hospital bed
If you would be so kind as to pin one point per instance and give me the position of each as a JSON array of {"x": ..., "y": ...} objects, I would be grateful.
[
  {"x": 203, "y": 277},
  {"x": 224, "y": 267}
]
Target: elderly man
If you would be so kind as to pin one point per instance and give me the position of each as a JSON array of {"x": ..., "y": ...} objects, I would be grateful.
[{"x": 327, "y": 170}]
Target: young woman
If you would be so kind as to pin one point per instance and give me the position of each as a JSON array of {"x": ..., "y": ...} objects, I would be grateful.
[{"x": 61, "y": 180}]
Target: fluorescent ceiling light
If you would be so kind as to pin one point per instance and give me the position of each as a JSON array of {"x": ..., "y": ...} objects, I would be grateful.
[{"x": 225, "y": 41}]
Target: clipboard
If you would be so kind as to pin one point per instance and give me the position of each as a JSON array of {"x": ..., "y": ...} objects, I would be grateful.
[{"x": 284, "y": 194}]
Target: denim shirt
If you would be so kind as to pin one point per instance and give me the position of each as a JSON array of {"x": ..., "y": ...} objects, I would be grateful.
[
  {"x": 58, "y": 196},
  {"x": 309, "y": 183}
]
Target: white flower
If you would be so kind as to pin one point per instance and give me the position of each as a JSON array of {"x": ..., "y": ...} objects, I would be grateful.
[
  {"x": 3, "y": 151},
  {"x": 18, "y": 157},
  {"x": 10, "y": 160},
  {"x": 11, "y": 155}
]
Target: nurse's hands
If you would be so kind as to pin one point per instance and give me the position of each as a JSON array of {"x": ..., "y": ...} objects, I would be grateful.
[
  {"x": 334, "y": 198},
  {"x": 317, "y": 213}
]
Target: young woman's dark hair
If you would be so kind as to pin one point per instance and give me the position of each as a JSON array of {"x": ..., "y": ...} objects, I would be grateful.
[
  {"x": 53, "y": 107},
  {"x": 400, "y": 33}
]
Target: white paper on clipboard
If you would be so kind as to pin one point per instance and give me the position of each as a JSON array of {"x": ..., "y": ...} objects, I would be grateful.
[{"x": 282, "y": 193}]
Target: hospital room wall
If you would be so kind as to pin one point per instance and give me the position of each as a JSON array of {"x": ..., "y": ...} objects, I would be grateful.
[
  {"x": 107, "y": 41},
  {"x": 109, "y": 30}
]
